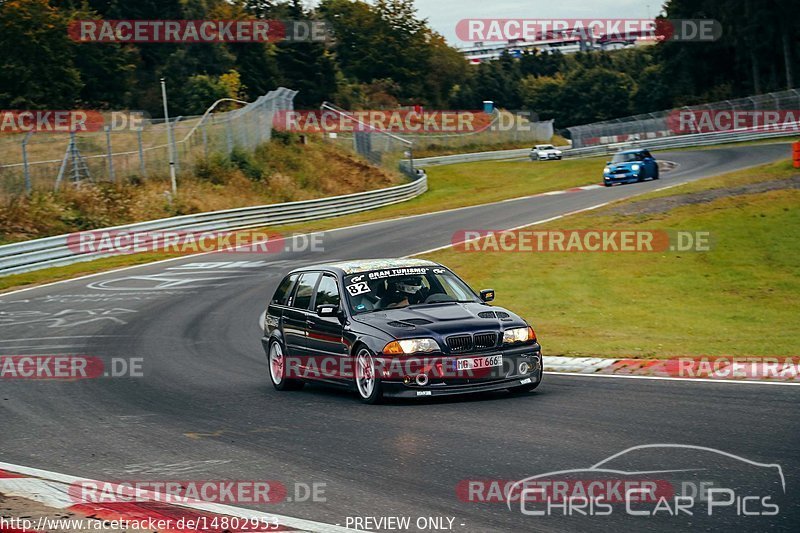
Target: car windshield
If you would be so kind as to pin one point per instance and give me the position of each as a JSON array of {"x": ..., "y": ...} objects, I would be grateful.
[
  {"x": 394, "y": 288},
  {"x": 545, "y": 147},
  {"x": 627, "y": 157}
]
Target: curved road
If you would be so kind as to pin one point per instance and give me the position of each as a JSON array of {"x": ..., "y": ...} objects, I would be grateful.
[{"x": 205, "y": 409}]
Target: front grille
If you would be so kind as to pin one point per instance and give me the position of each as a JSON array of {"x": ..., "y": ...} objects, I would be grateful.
[
  {"x": 459, "y": 343},
  {"x": 485, "y": 340},
  {"x": 620, "y": 171}
]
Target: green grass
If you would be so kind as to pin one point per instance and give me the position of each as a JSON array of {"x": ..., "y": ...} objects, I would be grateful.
[
  {"x": 738, "y": 299},
  {"x": 449, "y": 187}
]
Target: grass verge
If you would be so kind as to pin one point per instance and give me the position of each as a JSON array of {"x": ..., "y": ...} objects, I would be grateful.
[
  {"x": 450, "y": 186},
  {"x": 733, "y": 300}
]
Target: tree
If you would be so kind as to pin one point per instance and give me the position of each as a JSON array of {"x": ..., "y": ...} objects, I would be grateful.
[{"x": 38, "y": 71}]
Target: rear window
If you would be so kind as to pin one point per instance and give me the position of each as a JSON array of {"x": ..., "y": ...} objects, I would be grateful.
[
  {"x": 305, "y": 290},
  {"x": 284, "y": 290}
]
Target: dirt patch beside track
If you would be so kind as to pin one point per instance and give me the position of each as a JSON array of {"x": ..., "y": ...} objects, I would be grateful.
[{"x": 668, "y": 203}]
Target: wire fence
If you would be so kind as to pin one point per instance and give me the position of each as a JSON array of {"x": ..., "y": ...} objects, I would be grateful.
[
  {"x": 48, "y": 160},
  {"x": 379, "y": 147},
  {"x": 669, "y": 123},
  {"x": 392, "y": 151}
]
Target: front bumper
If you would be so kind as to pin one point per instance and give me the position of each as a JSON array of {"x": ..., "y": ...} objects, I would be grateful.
[
  {"x": 628, "y": 177},
  {"x": 497, "y": 378}
]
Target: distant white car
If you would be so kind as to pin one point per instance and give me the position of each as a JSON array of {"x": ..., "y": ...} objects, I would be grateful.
[{"x": 544, "y": 152}]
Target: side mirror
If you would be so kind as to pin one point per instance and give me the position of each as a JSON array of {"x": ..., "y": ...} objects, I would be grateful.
[
  {"x": 327, "y": 310},
  {"x": 487, "y": 295},
  {"x": 608, "y": 163}
]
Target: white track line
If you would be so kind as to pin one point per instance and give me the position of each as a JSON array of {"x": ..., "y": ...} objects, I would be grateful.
[
  {"x": 526, "y": 225},
  {"x": 298, "y": 523},
  {"x": 664, "y": 378}
]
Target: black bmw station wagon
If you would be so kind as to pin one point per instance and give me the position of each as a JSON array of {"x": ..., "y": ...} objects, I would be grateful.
[{"x": 395, "y": 327}]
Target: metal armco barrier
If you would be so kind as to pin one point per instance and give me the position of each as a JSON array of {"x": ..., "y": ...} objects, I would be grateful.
[
  {"x": 662, "y": 143},
  {"x": 53, "y": 251}
]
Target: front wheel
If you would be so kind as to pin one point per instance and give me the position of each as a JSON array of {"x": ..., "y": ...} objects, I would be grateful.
[
  {"x": 277, "y": 369},
  {"x": 368, "y": 384}
]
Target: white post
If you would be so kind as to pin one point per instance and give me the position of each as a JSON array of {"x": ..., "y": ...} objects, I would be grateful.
[{"x": 169, "y": 139}]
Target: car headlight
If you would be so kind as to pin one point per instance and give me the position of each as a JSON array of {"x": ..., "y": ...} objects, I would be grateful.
[
  {"x": 406, "y": 346},
  {"x": 510, "y": 336},
  {"x": 634, "y": 167},
  {"x": 606, "y": 170}
]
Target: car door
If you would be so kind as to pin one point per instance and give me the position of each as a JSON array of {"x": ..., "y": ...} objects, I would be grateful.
[
  {"x": 325, "y": 338},
  {"x": 650, "y": 164},
  {"x": 295, "y": 318}
]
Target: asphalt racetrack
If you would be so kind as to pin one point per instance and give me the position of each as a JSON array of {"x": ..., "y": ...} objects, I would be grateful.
[{"x": 205, "y": 409}]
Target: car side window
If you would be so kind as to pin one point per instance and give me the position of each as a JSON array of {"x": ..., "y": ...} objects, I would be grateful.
[
  {"x": 284, "y": 290},
  {"x": 328, "y": 291},
  {"x": 305, "y": 290}
]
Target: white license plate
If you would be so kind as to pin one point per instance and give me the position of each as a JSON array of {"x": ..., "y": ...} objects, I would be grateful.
[{"x": 476, "y": 363}]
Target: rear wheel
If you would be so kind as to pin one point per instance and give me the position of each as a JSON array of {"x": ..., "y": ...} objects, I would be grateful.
[
  {"x": 277, "y": 369},
  {"x": 368, "y": 385},
  {"x": 655, "y": 174}
]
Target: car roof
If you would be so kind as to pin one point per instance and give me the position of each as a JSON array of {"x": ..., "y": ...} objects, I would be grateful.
[
  {"x": 366, "y": 265},
  {"x": 632, "y": 151}
]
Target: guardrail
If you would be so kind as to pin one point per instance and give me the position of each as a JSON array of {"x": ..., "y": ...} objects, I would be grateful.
[
  {"x": 53, "y": 251},
  {"x": 659, "y": 143},
  {"x": 682, "y": 141},
  {"x": 468, "y": 158}
]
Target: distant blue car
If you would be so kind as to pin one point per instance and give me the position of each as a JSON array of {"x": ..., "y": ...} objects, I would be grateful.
[{"x": 629, "y": 166}]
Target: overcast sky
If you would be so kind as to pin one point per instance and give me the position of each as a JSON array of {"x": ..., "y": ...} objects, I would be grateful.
[{"x": 443, "y": 15}]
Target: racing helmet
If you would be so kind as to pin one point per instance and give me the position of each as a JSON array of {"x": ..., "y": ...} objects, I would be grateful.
[{"x": 409, "y": 285}]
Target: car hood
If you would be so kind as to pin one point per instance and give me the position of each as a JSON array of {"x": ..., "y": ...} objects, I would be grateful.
[
  {"x": 623, "y": 166},
  {"x": 440, "y": 320}
]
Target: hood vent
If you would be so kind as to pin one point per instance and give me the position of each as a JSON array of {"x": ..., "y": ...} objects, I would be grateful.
[
  {"x": 409, "y": 323},
  {"x": 493, "y": 314},
  {"x": 401, "y": 325}
]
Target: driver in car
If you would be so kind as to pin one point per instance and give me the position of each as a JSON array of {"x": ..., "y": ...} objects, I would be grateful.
[{"x": 403, "y": 292}]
